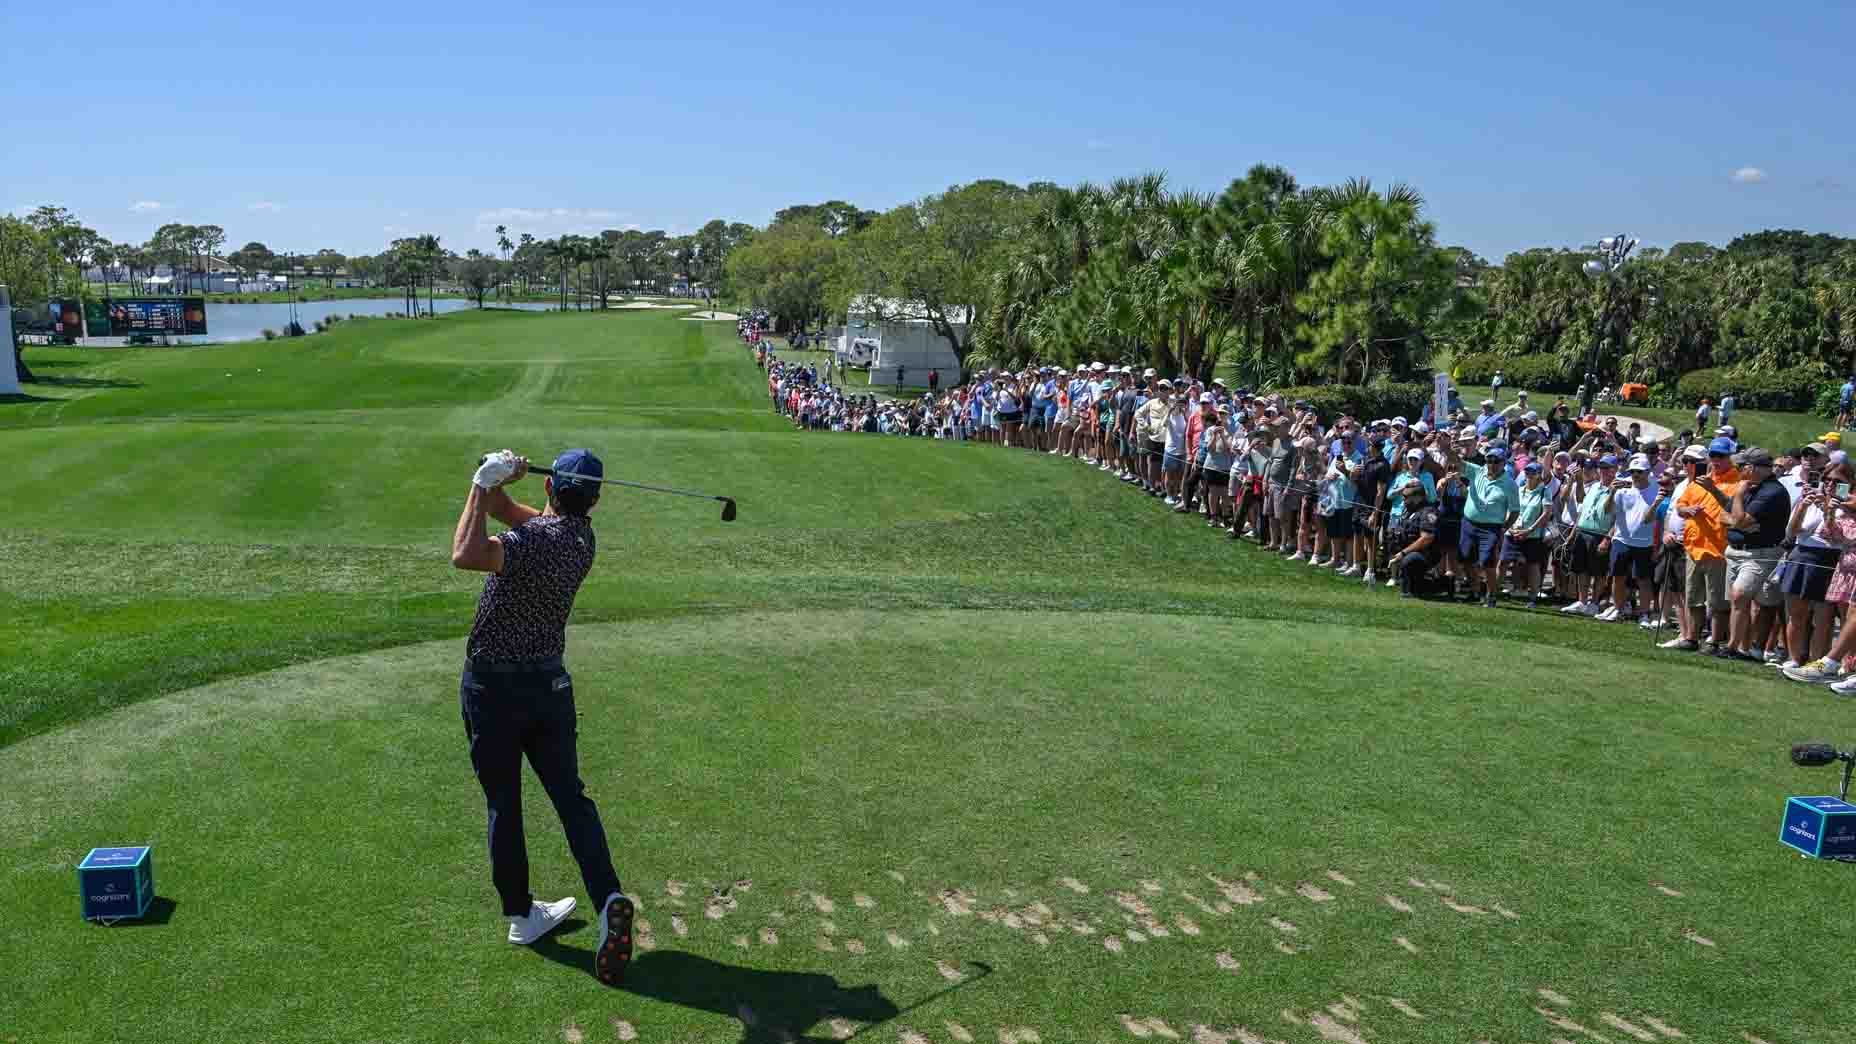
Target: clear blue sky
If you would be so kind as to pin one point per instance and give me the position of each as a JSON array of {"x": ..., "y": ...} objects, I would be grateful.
[{"x": 310, "y": 125}]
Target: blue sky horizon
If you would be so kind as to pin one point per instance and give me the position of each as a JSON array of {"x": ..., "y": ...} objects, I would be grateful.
[{"x": 307, "y": 129}]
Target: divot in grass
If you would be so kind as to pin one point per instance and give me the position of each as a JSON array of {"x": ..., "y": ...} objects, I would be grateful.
[
  {"x": 822, "y": 904},
  {"x": 679, "y": 925},
  {"x": 769, "y": 937},
  {"x": 1462, "y": 908},
  {"x": 1662, "y": 1027},
  {"x": 573, "y": 1034},
  {"x": 1554, "y": 997},
  {"x": 854, "y": 946},
  {"x": 1111, "y": 944},
  {"x": 645, "y": 938},
  {"x": 959, "y": 1032},
  {"x": 1405, "y": 944},
  {"x": 1697, "y": 938},
  {"x": 1185, "y": 924},
  {"x": 1339, "y": 878},
  {"x": 741, "y": 941},
  {"x": 1419, "y": 885},
  {"x": 1281, "y": 925},
  {"x": 1665, "y": 889},
  {"x": 863, "y": 901},
  {"x": 1237, "y": 892},
  {"x": 674, "y": 888},
  {"x": 1403, "y": 1008},
  {"x": 905, "y": 1035},
  {"x": 1074, "y": 885},
  {"x": 624, "y": 1030},
  {"x": 949, "y": 972},
  {"x": 1505, "y": 912},
  {"x": 841, "y": 1029},
  {"x": 1396, "y": 903},
  {"x": 1151, "y": 887},
  {"x": 1019, "y": 1035},
  {"x": 896, "y": 942},
  {"x": 1623, "y": 1025},
  {"x": 1227, "y": 962},
  {"x": 1313, "y": 893}
]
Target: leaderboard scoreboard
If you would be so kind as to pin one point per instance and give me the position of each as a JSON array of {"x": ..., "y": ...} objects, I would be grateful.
[{"x": 157, "y": 315}]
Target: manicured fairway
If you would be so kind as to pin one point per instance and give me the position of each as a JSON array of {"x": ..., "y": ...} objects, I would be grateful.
[{"x": 928, "y": 718}]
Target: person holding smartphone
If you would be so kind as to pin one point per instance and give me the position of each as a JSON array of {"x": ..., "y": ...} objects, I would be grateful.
[{"x": 1804, "y": 579}]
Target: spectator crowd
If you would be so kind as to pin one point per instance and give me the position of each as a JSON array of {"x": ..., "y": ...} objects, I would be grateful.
[{"x": 1746, "y": 552}]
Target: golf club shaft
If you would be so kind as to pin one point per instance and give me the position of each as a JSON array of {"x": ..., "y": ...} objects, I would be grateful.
[{"x": 622, "y": 482}]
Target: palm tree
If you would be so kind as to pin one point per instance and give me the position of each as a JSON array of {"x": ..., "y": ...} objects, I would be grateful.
[{"x": 503, "y": 244}]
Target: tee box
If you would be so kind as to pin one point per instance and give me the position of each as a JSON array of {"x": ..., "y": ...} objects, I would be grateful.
[
  {"x": 116, "y": 883},
  {"x": 1824, "y": 827}
]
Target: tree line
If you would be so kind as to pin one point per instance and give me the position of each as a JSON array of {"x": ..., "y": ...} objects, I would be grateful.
[
  {"x": 44, "y": 255},
  {"x": 1272, "y": 283}
]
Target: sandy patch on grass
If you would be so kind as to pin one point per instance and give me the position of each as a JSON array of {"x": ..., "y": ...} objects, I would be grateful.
[
  {"x": 1505, "y": 912},
  {"x": 949, "y": 972},
  {"x": 679, "y": 925},
  {"x": 1405, "y": 944},
  {"x": 1151, "y": 887},
  {"x": 769, "y": 937},
  {"x": 1227, "y": 962},
  {"x": 959, "y": 1032},
  {"x": 1555, "y": 997},
  {"x": 841, "y": 1029},
  {"x": 1019, "y": 1035},
  {"x": 1236, "y": 891},
  {"x": 1697, "y": 938},
  {"x": 1462, "y": 908},
  {"x": 908, "y": 1036},
  {"x": 1662, "y": 1027},
  {"x": 956, "y": 902},
  {"x": 674, "y": 888},
  {"x": 1396, "y": 903},
  {"x": 624, "y": 1030},
  {"x": 1281, "y": 925},
  {"x": 573, "y": 1034},
  {"x": 863, "y": 901},
  {"x": 1111, "y": 944},
  {"x": 741, "y": 941},
  {"x": 1419, "y": 885},
  {"x": 825, "y": 945},
  {"x": 896, "y": 942},
  {"x": 1339, "y": 878},
  {"x": 697, "y": 317},
  {"x": 1074, "y": 885},
  {"x": 1185, "y": 924},
  {"x": 1134, "y": 936},
  {"x": 1313, "y": 893},
  {"x": 1665, "y": 889},
  {"x": 647, "y": 939},
  {"x": 855, "y": 946}
]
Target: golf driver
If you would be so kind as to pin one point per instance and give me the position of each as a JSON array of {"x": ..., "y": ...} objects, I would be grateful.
[{"x": 728, "y": 503}]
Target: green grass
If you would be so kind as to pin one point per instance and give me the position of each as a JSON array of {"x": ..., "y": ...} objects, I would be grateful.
[{"x": 945, "y": 678}]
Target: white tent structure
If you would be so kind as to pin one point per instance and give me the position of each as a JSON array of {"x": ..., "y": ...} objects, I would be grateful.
[
  {"x": 910, "y": 347},
  {"x": 9, "y": 372}
]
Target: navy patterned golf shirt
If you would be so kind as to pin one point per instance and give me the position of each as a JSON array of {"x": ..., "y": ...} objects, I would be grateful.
[{"x": 522, "y": 614}]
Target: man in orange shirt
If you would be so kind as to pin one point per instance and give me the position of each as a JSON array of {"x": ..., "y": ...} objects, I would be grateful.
[{"x": 1704, "y": 507}]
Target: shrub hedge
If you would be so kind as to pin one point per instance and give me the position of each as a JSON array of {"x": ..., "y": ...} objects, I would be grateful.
[
  {"x": 1532, "y": 372},
  {"x": 1753, "y": 391},
  {"x": 1365, "y": 402}
]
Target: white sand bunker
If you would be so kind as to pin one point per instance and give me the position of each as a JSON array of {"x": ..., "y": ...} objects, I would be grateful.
[
  {"x": 652, "y": 304},
  {"x": 701, "y": 316}
]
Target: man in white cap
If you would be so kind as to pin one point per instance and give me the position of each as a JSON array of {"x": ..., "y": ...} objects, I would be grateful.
[{"x": 1632, "y": 527}]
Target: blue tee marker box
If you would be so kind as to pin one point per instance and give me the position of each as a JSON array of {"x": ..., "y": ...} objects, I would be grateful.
[
  {"x": 116, "y": 882},
  {"x": 1824, "y": 827}
]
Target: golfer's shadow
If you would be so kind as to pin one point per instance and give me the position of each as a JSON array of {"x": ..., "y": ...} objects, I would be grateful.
[{"x": 782, "y": 1005}]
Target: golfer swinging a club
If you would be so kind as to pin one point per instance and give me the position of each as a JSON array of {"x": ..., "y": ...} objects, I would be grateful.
[{"x": 517, "y": 698}]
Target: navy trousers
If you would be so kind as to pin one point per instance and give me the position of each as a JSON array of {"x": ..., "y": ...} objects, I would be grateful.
[{"x": 507, "y": 717}]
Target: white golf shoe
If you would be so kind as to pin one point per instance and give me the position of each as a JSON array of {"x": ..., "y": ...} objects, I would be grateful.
[{"x": 542, "y": 918}]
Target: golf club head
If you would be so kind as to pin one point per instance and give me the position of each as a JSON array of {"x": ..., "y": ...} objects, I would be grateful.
[{"x": 728, "y": 509}]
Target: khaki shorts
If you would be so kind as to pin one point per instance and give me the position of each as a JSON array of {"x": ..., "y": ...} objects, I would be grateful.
[
  {"x": 1284, "y": 501},
  {"x": 1707, "y": 584},
  {"x": 1752, "y": 573}
]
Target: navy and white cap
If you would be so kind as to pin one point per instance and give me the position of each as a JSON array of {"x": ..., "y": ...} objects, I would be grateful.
[{"x": 579, "y": 462}]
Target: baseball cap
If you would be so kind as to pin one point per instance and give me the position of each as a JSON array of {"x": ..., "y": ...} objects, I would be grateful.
[
  {"x": 1835, "y": 438},
  {"x": 1532, "y": 466},
  {"x": 1639, "y": 463},
  {"x": 1421, "y": 428},
  {"x": 1206, "y": 399},
  {"x": 1163, "y": 383},
  {"x": 1414, "y": 454},
  {"x": 1755, "y": 457},
  {"x": 1488, "y": 402},
  {"x": 581, "y": 463},
  {"x": 1818, "y": 448},
  {"x": 1722, "y": 444},
  {"x": 1219, "y": 381},
  {"x": 1530, "y": 415},
  {"x": 1608, "y": 461},
  {"x": 1301, "y": 404},
  {"x": 1495, "y": 453},
  {"x": 1149, "y": 372},
  {"x": 1400, "y": 422},
  {"x": 1098, "y": 367},
  {"x": 1728, "y": 430},
  {"x": 1695, "y": 451}
]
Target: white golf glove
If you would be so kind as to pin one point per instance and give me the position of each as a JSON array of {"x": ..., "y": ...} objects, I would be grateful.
[{"x": 496, "y": 469}]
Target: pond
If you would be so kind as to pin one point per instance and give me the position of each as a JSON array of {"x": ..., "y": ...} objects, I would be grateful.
[{"x": 247, "y": 322}]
